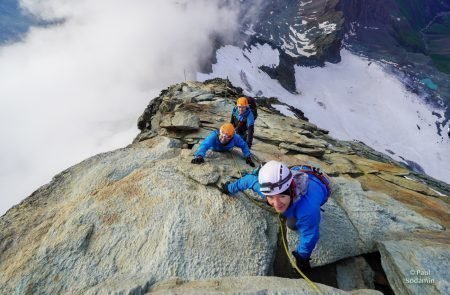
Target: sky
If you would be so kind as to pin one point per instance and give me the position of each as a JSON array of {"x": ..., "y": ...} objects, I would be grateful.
[
  {"x": 354, "y": 99},
  {"x": 77, "y": 88}
]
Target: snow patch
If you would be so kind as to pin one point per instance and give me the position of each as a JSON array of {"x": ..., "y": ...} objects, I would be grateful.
[
  {"x": 305, "y": 3},
  {"x": 439, "y": 193},
  {"x": 263, "y": 55},
  {"x": 284, "y": 110},
  {"x": 250, "y": 31},
  {"x": 298, "y": 44},
  {"x": 327, "y": 27}
]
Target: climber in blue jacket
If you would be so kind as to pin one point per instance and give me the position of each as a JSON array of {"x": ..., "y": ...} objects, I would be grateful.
[
  {"x": 293, "y": 193},
  {"x": 220, "y": 141},
  {"x": 243, "y": 120}
]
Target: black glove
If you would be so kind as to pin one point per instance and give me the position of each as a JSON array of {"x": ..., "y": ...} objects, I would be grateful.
[
  {"x": 224, "y": 188},
  {"x": 198, "y": 160},
  {"x": 302, "y": 263},
  {"x": 317, "y": 170},
  {"x": 249, "y": 145},
  {"x": 249, "y": 161}
]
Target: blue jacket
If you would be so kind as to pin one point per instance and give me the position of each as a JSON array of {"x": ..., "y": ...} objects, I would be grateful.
[
  {"x": 213, "y": 142},
  {"x": 244, "y": 123},
  {"x": 247, "y": 117},
  {"x": 306, "y": 209}
]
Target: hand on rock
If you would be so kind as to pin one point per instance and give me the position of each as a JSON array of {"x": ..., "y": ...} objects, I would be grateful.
[
  {"x": 249, "y": 161},
  {"x": 224, "y": 188},
  {"x": 198, "y": 160},
  {"x": 317, "y": 170}
]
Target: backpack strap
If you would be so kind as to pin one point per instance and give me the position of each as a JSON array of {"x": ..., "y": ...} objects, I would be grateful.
[
  {"x": 318, "y": 174},
  {"x": 233, "y": 119},
  {"x": 253, "y": 106}
]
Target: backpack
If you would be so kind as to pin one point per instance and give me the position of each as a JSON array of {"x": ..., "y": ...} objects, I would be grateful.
[
  {"x": 253, "y": 106},
  {"x": 307, "y": 169}
]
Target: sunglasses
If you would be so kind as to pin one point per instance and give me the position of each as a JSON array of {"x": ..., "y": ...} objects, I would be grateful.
[{"x": 225, "y": 136}]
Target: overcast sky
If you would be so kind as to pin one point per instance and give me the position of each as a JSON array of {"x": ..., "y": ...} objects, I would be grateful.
[{"x": 75, "y": 89}]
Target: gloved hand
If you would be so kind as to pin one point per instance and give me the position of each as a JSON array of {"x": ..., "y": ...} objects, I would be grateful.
[
  {"x": 224, "y": 188},
  {"x": 249, "y": 145},
  {"x": 198, "y": 160},
  {"x": 302, "y": 263},
  {"x": 317, "y": 170},
  {"x": 249, "y": 161}
]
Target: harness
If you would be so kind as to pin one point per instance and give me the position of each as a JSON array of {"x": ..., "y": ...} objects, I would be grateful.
[
  {"x": 241, "y": 126},
  {"x": 318, "y": 174}
]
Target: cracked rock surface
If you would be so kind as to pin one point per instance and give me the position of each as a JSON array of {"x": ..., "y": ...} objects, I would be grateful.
[{"x": 128, "y": 220}]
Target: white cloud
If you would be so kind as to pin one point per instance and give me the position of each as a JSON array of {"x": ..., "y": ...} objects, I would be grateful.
[{"x": 77, "y": 88}]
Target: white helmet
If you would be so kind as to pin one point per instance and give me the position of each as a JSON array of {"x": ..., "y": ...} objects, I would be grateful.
[{"x": 274, "y": 178}]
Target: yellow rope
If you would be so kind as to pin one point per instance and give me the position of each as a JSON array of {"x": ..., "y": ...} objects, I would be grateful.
[{"x": 293, "y": 264}]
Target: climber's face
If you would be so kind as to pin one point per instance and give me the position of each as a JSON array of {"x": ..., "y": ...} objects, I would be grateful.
[
  {"x": 224, "y": 138},
  {"x": 279, "y": 202},
  {"x": 241, "y": 109}
]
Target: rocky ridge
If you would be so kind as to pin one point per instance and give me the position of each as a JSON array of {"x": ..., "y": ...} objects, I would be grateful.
[{"x": 144, "y": 219}]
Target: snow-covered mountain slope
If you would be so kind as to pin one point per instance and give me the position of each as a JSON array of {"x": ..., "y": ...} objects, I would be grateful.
[
  {"x": 298, "y": 28},
  {"x": 355, "y": 99}
]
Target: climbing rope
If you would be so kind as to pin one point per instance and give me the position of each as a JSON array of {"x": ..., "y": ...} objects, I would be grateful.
[
  {"x": 261, "y": 205},
  {"x": 293, "y": 264},
  {"x": 226, "y": 88}
]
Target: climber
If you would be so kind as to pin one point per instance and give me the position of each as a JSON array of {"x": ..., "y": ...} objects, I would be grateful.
[
  {"x": 297, "y": 194},
  {"x": 222, "y": 140},
  {"x": 243, "y": 120}
]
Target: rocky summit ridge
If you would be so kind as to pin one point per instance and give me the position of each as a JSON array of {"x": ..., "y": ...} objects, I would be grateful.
[{"x": 143, "y": 219}]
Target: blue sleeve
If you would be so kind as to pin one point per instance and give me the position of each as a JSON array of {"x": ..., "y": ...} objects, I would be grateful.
[
  {"x": 250, "y": 119},
  {"x": 248, "y": 181},
  {"x": 239, "y": 142},
  {"x": 308, "y": 226},
  {"x": 205, "y": 145}
]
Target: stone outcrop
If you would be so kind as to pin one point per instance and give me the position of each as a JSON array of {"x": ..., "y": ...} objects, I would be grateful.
[
  {"x": 417, "y": 265},
  {"x": 130, "y": 220},
  {"x": 354, "y": 273},
  {"x": 247, "y": 285}
]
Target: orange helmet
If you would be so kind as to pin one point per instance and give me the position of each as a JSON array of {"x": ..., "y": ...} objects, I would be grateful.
[
  {"x": 242, "y": 102},
  {"x": 227, "y": 129}
]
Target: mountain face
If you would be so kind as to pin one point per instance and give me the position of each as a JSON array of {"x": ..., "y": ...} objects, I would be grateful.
[
  {"x": 305, "y": 32},
  {"x": 372, "y": 71},
  {"x": 412, "y": 35},
  {"x": 144, "y": 219}
]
